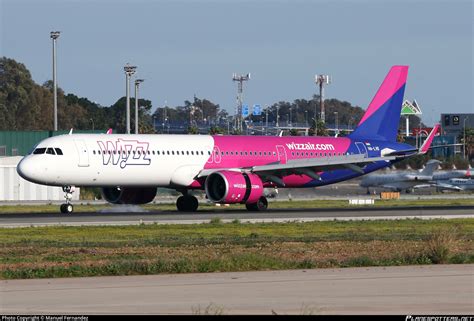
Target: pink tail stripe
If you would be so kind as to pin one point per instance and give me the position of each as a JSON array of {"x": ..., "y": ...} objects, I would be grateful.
[{"x": 395, "y": 79}]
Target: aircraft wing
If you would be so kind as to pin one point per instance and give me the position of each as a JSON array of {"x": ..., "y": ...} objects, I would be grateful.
[
  {"x": 448, "y": 186},
  {"x": 309, "y": 167},
  {"x": 415, "y": 151}
]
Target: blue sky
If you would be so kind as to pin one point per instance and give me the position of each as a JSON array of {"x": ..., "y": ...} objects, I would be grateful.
[{"x": 189, "y": 47}]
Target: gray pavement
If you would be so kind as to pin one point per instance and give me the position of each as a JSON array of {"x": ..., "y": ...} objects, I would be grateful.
[
  {"x": 435, "y": 289},
  {"x": 132, "y": 216}
]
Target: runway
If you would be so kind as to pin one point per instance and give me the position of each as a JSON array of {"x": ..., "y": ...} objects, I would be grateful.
[
  {"x": 130, "y": 216},
  {"x": 406, "y": 290}
]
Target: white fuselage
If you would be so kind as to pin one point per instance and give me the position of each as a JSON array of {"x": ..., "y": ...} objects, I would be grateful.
[{"x": 111, "y": 160}]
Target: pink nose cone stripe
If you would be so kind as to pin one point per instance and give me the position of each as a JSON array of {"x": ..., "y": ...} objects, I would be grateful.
[{"x": 394, "y": 80}]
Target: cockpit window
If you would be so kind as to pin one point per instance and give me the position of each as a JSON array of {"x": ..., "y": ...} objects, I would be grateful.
[
  {"x": 39, "y": 151},
  {"x": 50, "y": 151},
  {"x": 58, "y": 151}
]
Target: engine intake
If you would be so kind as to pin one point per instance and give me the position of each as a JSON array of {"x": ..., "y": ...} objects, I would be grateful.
[
  {"x": 129, "y": 195},
  {"x": 227, "y": 187}
]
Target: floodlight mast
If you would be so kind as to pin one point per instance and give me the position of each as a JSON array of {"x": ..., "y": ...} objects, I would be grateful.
[
  {"x": 55, "y": 35},
  {"x": 238, "y": 115},
  {"x": 137, "y": 84},
  {"x": 129, "y": 71},
  {"x": 322, "y": 80}
]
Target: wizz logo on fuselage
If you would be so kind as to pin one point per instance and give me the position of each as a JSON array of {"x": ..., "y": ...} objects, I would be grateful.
[{"x": 124, "y": 152}]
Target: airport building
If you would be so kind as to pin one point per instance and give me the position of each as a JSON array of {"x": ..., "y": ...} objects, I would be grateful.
[
  {"x": 452, "y": 128},
  {"x": 20, "y": 143},
  {"x": 454, "y": 124}
]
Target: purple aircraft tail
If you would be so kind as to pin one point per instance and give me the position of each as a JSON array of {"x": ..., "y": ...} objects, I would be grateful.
[{"x": 381, "y": 119}]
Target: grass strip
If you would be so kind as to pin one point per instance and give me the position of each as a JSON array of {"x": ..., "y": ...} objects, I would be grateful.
[{"x": 150, "y": 249}]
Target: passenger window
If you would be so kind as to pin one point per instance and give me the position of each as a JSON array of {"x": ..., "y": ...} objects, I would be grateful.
[
  {"x": 202, "y": 153},
  {"x": 168, "y": 152},
  {"x": 50, "y": 151},
  {"x": 58, "y": 151}
]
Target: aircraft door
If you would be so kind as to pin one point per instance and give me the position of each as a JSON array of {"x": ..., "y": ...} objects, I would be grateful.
[
  {"x": 281, "y": 154},
  {"x": 82, "y": 153},
  {"x": 362, "y": 149}
]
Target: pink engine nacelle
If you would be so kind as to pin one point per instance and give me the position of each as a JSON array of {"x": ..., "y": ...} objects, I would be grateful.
[{"x": 227, "y": 187}]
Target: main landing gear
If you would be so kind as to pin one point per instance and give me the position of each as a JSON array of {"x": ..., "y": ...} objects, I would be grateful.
[
  {"x": 187, "y": 203},
  {"x": 67, "y": 207},
  {"x": 260, "y": 206}
]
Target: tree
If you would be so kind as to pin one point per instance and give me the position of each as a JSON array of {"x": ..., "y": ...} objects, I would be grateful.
[
  {"x": 318, "y": 128},
  {"x": 469, "y": 143}
]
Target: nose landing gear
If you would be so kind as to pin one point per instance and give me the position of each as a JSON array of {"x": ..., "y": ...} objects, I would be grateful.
[{"x": 67, "y": 208}]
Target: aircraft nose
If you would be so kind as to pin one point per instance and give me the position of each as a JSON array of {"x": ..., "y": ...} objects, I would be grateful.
[{"x": 27, "y": 169}]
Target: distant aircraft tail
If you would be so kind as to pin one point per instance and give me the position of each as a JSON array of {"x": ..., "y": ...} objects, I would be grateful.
[
  {"x": 430, "y": 167},
  {"x": 381, "y": 119}
]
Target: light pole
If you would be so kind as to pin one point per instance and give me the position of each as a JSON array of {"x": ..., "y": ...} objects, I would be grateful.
[
  {"x": 55, "y": 35},
  {"x": 278, "y": 117},
  {"x": 464, "y": 136},
  {"x": 337, "y": 122},
  {"x": 92, "y": 123},
  {"x": 306, "y": 117},
  {"x": 129, "y": 71},
  {"x": 266, "y": 120},
  {"x": 291, "y": 122},
  {"x": 240, "y": 80},
  {"x": 137, "y": 84},
  {"x": 321, "y": 80}
]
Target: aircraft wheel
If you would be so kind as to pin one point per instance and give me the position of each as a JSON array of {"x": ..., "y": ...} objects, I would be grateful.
[
  {"x": 260, "y": 206},
  {"x": 67, "y": 208},
  {"x": 187, "y": 203}
]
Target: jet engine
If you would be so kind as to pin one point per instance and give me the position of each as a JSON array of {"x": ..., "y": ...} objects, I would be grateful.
[
  {"x": 129, "y": 195},
  {"x": 228, "y": 187}
]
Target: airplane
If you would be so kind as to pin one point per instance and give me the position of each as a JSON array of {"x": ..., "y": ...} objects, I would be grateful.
[
  {"x": 405, "y": 180},
  {"x": 410, "y": 180},
  {"x": 456, "y": 184},
  {"x": 230, "y": 169}
]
